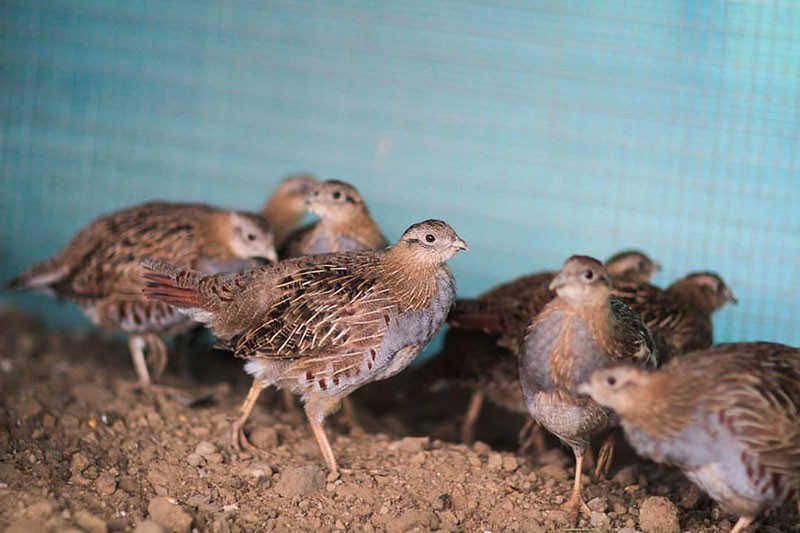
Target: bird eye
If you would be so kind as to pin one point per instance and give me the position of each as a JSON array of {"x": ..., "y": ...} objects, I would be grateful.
[
  {"x": 430, "y": 238},
  {"x": 611, "y": 380},
  {"x": 642, "y": 266},
  {"x": 336, "y": 195},
  {"x": 588, "y": 275},
  {"x": 251, "y": 236}
]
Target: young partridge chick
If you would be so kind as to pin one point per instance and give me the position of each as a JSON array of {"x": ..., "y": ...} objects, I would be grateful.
[
  {"x": 287, "y": 205},
  {"x": 680, "y": 316},
  {"x": 729, "y": 417},
  {"x": 322, "y": 325},
  {"x": 581, "y": 330},
  {"x": 99, "y": 268},
  {"x": 504, "y": 312},
  {"x": 344, "y": 224}
]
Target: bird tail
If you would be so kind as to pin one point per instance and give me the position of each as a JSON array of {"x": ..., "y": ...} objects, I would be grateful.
[
  {"x": 473, "y": 314},
  {"x": 40, "y": 276},
  {"x": 172, "y": 285}
]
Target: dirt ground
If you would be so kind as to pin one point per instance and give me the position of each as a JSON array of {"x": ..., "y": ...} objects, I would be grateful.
[{"x": 81, "y": 450}]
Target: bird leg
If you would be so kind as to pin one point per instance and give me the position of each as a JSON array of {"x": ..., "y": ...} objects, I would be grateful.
[
  {"x": 322, "y": 440},
  {"x": 156, "y": 353},
  {"x": 349, "y": 417},
  {"x": 575, "y": 502},
  {"x": 287, "y": 399},
  {"x": 471, "y": 417},
  {"x": 531, "y": 436},
  {"x": 742, "y": 524},
  {"x": 136, "y": 345},
  {"x": 238, "y": 438},
  {"x": 604, "y": 457}
]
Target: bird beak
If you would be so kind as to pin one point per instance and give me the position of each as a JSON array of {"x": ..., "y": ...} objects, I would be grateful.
[
  {"x": 272, "y": 256},
  {"x": 557, "y": 282},
  {"x": 585, "y": 388},
  {"x": 459, "y": 244},
  {"x": 656, "y": 267},
  {"x": 729, "y": 297}
]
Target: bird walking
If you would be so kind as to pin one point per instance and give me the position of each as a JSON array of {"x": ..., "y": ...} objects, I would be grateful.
[
  {"x": 322, "y": 325},
  {"x": 581, "y": 330},
  {"x": 99, "y": 267},
  {"x": 728, "y": 417}
]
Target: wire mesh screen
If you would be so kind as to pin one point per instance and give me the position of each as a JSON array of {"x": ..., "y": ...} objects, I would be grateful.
[{"x": 537, "y": 129}]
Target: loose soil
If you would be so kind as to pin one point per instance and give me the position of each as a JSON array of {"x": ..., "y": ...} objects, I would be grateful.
[{"x": 82, "y": 450}]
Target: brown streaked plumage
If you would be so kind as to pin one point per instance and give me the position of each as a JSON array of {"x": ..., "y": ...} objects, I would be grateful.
[
  {"x": 504, "y": 312},
  {"x": 581, "y": 330},
  {"x": 344, "y": 225},
  {"x": 680, "y": 316},
  {"x": 729, "y": 417},
  {"x": 99, "y": 268},
  {"x": 323, "y": 325},
  {"x": 284, "y": 209}
]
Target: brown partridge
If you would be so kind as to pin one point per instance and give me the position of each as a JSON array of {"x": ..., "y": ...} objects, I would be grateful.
[
  {"x": 99, "y": 268},
  {"x": 344, "y": 224},
  {"x": 504, "y": 312},
  {"x": 680, "y": 316},
  {"x": 583, "y": 329},
  {"x": 322, "y": 325},
  {"x": 287, "y": 205},
  {"x": 729, "y": 417}
]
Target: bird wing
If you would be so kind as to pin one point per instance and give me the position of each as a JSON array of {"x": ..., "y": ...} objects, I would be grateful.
[
  {"x": 634, "y": 341},
  {"x": 321, "y": 310}
]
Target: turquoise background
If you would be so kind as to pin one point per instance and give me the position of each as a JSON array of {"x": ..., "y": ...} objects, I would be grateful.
[{"x": 538, "y": 129}]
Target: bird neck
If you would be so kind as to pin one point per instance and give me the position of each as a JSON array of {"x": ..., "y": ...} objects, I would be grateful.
[
  {"x": 412, "y": 279},
  {"x": 283, "y": 217},
  {"x": 357, "y": 222}
]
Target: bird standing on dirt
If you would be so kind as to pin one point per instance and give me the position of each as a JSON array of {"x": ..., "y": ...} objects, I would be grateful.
[
  {"x": 284, "y": 209},
  {"x": 100, "y": 269},
  {"x": 322, "y": 325},
  {"x": 581, "y": 330},
  {"x": 729, "y": 417},
  {"x": 679, "y": 316},
  {"x": 344, "y": 225},
  {"x": 504, "y": 312}
]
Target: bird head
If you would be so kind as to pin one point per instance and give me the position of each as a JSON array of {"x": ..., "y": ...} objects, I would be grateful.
[
  {"x": 616, "y": 387},
  {"x": 248, "y": 236},
  {"x": 334, "y": 201},
  {"x": 708, "y": 290},
  {"x": 633, "y": 266},
  {"x": 580, "y": 278},
  {"x": 431, "y": 242}
]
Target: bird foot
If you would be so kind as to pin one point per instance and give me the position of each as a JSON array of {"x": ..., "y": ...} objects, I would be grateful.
[
  {"x": 574, "y": 506},
  {"x": 240, "y": 442}
]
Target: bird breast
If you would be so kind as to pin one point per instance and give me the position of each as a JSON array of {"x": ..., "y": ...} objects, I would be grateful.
[{"x": 415, "y": 328}]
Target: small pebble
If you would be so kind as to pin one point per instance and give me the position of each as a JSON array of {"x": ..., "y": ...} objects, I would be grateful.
[
  {"x": 300, "y": 481},
  {"x": 411, "y": 444},
  {"x": 658, "y": 515},
  {"x": 495, "y": 461},
  {"x": 195, "y": 459},
  {"x": 170, "y": 515},
  {"x": 90, "y": 523},
  {"x": 205, "y": 448},
  {"x": 600, "y": 520},
  {"x": 149, "y": 526}
]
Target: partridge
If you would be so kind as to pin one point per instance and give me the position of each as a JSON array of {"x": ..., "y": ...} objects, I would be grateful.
[
  {"x": 344, "y": 225},
  {"x": 581, "y": 330},
  {"x": 99, "y": 268},
  {"x": 287, "y": 205},
  {"x": 322, "y": 325},
  {"x": 729, "y": 417},
  {"x": 504, "y": 312},
  {"x": 680, "y": 316}
]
